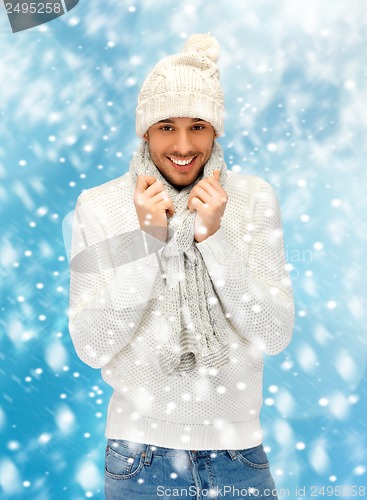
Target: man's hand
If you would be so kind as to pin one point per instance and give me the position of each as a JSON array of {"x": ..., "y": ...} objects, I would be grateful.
[
  {"x": 209, "y": 199},
  {"x": 153, "y": 205}
]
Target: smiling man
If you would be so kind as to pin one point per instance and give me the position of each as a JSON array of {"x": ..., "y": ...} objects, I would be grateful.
[
  {"x": 181, "y": 339},
  {"x": 180, "y": 147}
]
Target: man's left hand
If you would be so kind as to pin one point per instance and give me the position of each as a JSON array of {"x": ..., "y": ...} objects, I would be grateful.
[{"x": 209, "y": 199}]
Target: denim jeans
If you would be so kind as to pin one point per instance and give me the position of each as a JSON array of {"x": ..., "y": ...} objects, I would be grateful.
[{"x": 135, "y": 471}]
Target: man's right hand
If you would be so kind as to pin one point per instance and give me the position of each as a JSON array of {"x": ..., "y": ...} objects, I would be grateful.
[{"x": 153, "y": 205}]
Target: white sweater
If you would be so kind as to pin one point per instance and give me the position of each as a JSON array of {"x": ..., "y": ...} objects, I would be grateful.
[{"x": 116, "y": 291}]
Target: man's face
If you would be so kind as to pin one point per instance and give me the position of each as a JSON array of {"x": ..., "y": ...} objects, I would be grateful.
[{"x": 178, "y": 140}]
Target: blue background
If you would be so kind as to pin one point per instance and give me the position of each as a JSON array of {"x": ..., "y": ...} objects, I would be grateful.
[{"x": 294, "y": 75}]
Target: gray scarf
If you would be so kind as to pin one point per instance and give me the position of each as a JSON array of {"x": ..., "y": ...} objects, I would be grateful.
[{"x": 197, "y": 321}]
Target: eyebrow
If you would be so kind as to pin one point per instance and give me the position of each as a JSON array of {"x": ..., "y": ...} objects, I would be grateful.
[{"x": 173, "y": 121}]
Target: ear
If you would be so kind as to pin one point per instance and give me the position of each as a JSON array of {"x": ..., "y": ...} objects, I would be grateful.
[{"x": 146, "y": 137}]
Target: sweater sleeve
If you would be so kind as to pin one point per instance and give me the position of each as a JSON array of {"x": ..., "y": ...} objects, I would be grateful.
[
  {"x": 256, "y": 295},
  {"x": 111, "y": 284}
]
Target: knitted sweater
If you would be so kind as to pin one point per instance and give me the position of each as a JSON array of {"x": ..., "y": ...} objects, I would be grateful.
[{"x": 116, "y": 289}]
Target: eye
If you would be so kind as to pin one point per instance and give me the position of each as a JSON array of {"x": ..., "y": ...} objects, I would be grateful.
[
  {"x": 165, "y": 127},
  {"x": 198, "y": 127}
]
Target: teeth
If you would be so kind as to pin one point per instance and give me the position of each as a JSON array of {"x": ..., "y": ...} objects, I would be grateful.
[{"x": 181, "y": 162}]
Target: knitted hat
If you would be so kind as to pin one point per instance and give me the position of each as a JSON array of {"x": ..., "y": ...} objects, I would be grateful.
[{"x": 184, "y": 85}]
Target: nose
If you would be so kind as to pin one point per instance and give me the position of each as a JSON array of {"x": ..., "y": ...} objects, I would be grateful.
[{"x": 183, "y": 145}]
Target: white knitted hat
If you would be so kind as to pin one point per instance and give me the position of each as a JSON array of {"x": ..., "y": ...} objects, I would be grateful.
[{"x": 184, "y": 85}]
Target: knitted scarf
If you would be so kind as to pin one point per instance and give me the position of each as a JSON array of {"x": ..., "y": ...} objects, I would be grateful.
[{"x": 197, "y": 322}]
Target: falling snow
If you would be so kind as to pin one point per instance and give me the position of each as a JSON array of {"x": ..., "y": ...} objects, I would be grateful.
[{"x": 295, "y": 84}]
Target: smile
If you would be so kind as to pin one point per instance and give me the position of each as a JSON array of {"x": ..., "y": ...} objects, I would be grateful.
[
  {"x": 182, "y": 162},
  {"x": 182, "y": 165}
]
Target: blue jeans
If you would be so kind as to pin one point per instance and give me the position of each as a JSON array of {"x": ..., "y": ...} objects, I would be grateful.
[{"x": 135, "y": 471}]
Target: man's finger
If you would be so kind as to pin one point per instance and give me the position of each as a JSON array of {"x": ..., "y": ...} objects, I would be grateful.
[
  {"x": 191, "y": 194},
  {"x": 143, "y": 182}
]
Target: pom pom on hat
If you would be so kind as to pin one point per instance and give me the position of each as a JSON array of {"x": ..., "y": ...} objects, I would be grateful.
[
  {"x": 205, "y": 43},
  {"x": 184, "y": 85}
]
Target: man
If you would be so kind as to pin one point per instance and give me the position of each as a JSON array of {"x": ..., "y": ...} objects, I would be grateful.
[{"x": 178, "y": 286}]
